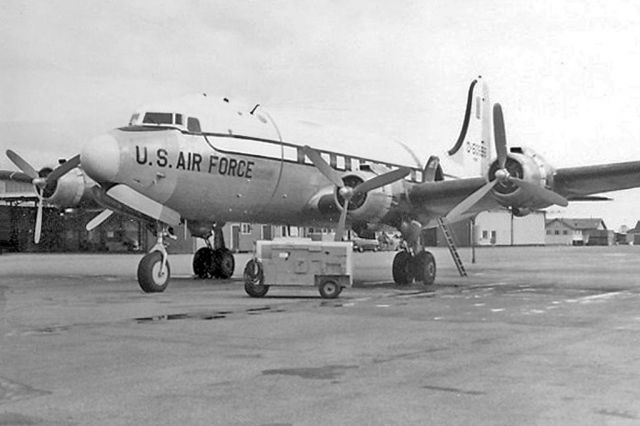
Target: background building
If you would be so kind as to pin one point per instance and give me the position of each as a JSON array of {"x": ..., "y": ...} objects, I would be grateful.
[
  {"x": 577, "y": 232},
  {"x": 495, "y": 228}
]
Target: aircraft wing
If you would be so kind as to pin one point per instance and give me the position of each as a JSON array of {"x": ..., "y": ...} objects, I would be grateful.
[
  {"x": 577, "y": 182},
  {"x": 14, "y": 176},
  {"x": 438, "y": 198}
]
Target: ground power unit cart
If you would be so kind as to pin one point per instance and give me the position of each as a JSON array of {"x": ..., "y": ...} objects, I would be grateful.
[{"x": 327, "y": 265}]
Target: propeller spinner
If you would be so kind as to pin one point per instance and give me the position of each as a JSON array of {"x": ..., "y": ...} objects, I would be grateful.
[
  {"x": 43, "y": 184},
  {"x": 347, "y": 192}
]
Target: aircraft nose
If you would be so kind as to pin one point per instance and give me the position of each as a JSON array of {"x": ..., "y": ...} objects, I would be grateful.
[{"x": 100, "y": 158}]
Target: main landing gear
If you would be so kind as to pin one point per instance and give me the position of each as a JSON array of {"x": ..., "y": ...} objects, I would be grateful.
[
  {"x": 420, "y": 267},
  {"x": 413, "y": 262},
  {"x": 214, "y": 261}
]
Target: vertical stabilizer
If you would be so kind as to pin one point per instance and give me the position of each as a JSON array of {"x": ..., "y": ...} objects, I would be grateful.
[{"x": 472, "y": 151}]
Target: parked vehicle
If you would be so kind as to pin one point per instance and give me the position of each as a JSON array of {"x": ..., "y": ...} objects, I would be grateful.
[{"x": 363, "y": 244}]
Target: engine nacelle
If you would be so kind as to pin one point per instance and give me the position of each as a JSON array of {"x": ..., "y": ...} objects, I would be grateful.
[
  {"x": 366, "y": 207},
  {"x": 525, "y": 164},
  {"x": 67, "y": 191}
]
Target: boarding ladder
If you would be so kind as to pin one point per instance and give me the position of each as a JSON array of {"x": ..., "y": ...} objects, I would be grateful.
[{"x": 452, "y": 246}]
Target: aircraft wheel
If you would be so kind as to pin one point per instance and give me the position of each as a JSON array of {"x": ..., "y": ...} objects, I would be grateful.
[
  {"x": 329, "y": 289},
  {"x": 149, "y": 277},
  {"x": 424, "y": 266},
  {"x": 254, "y": 279},
  {"x": 401, "y": 269},
  {"x": 223, "y": 264},
  {"x": 202, "y": 261}
]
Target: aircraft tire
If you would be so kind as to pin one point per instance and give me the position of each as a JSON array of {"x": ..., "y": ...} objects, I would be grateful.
[
  {"x": 202, "y": 261},
  {"x": 149, "y": 277},
  {"x": 223, "y": 264},
  {"x": 401, "y": 269},
  {"x": 424, "y": 265},
  {"x": 254, "y": 279},
  {"x": 329, "y": 289}
]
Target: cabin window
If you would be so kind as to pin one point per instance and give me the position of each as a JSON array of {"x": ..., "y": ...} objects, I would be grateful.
[
  {"x": 290, "y": 153},
  {"x": 246, "y": 228},
  {"x": 179, "y": 119},
  {"x": 347, "y": 163},
  {"x": 413, "y": 175},
  {"x": 340, "y": 162},
  {"x": 158, "y": 118},
  {"x": 193, "y": 125},
  {"x": 333, "y": 162}
]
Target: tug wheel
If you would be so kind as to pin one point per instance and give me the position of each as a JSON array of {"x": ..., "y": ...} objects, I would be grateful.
[
  {"x": 329, "y": 289},
  {"x": 254, "y": 279}
]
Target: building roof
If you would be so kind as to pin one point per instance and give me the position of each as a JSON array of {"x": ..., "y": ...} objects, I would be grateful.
[{"x": 578, "y": 224}]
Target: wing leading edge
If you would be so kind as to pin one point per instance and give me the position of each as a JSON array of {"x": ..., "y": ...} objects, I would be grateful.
[{"x": 577, "y": 182}]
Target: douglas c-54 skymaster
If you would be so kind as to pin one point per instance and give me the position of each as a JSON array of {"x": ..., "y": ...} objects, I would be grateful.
[{"x": 204, "y": 162}]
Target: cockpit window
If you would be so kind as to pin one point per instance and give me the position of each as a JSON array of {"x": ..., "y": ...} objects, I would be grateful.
[
  {"x": 158, "y": 118},
  {"x": 193, "y": 125}
]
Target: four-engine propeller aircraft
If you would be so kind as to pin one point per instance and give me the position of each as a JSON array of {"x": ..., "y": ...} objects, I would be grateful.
[{"x": 205, "y": 162}]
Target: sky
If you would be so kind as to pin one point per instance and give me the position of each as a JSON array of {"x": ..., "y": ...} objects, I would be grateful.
[{"x": 565, "y": 72}]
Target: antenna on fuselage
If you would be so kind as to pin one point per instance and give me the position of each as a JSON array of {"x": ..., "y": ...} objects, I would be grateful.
[{"x": 254, "y": 109}]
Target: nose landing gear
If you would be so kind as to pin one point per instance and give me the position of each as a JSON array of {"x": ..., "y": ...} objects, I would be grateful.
[{"x": 153, "y": 270}]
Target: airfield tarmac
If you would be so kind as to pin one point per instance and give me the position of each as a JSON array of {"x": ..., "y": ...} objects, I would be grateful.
[{"x": 533, "y": 336}]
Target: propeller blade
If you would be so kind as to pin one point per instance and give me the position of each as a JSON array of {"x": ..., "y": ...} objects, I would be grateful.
[
  {"x": 500, "y": 136},
  {"x": 38, "y": 231},
  {"x": 22, "y": 164},
  {"x": 64, "y": 168},
  {"x": 541, "y": 193},
  {"x": 381, "y": 180},
  {"x": 342, "y": 223},
  {"x": 322, "y": 165},
  {"x": 466, "y": 204},
  {"x": 98, "y": 219}
]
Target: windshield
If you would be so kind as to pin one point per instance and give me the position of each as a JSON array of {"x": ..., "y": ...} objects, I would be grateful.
[{"x": 158, "y": 118}]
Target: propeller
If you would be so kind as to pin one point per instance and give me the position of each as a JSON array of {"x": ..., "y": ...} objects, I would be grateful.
[
  {"x": 502, "y": 175},
  {"x": 98, "y": 219},
  {"x": 347, "y": 192},
  {"x": 42, "y": 184}
]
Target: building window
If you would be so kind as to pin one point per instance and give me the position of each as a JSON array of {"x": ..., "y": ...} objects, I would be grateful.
[
  {"x": 245, "y": 228},
  {"x": 485, "y": 235},
  {"x": 565, "y": 232},
  {"x": 557, "y": 232},
  {"x": 548, "y": 231}
]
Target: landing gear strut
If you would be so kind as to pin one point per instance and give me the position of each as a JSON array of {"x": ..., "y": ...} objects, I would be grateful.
[
  {"x": 153, "y": 270},
  {"x": 214, "y": 260}
]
